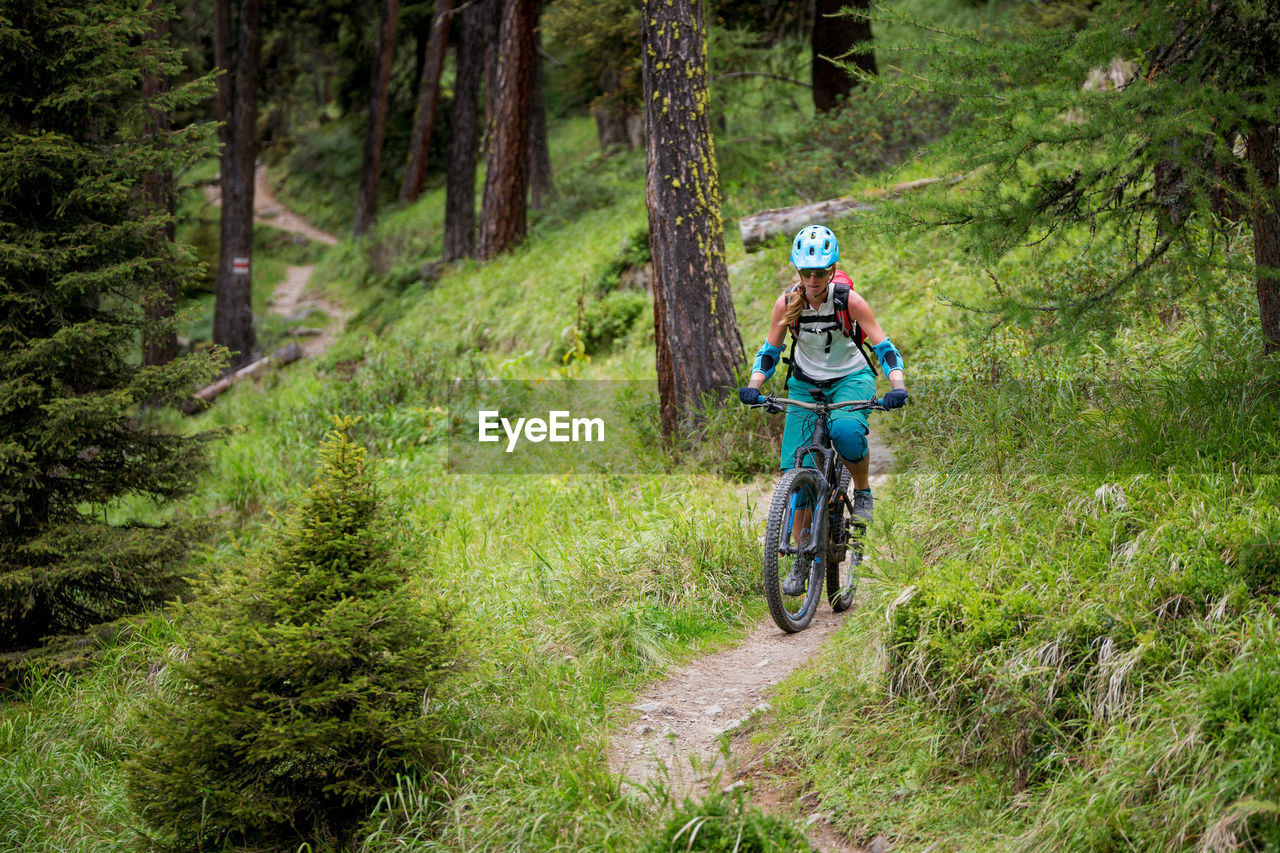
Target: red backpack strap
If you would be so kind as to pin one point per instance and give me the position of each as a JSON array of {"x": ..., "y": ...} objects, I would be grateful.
[{"x": 844, "y": 286}]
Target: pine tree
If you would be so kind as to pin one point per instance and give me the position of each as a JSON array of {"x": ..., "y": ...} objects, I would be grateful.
[
  {"x": 82, "y": 255},
  {"x": 305, "y": 683},
  {"x": 1140, "y": 134}
]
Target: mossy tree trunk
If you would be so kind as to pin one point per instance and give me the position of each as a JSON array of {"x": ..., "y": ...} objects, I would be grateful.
[
  {"x": 428, "y": 96},
  {"x": 696, "y": 333},
  {"x": 380, "y": 79},
  {"x": 506, "y": 181},
  {"x": 834, "y": 36},
  {"x": 238, "y": 112}
]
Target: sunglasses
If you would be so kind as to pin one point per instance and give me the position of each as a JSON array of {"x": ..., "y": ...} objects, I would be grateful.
[{"x": 819, "y": 273}]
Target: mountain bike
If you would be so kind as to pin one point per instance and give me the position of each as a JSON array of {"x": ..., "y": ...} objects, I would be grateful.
[{"x": 831, "y": 544}]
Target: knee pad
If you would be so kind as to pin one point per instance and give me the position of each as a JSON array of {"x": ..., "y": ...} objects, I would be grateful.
[{"x": 849, "y": 438}]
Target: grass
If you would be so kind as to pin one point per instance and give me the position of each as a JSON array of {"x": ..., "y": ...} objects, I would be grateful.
[
  {"x": 61, "y": 742},
  {"x": 1066, "y": 639},
  {"x": 1077, "y": 573}
]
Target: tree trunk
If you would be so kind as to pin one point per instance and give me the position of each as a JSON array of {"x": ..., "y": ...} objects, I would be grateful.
[
  {"x": 611, "y": 115},
  {"x": 233, "y": 307},
  {"x": 160, "y": 340},
  {"x": 380, "y": 79},
  {"x": 542, "y": 187},
  {"x": 502, "y": 218},
  {"x": 492, "y": 25},
  {"x": 1264, "y": 156},
  {"x": 833, "y": 39},
  {"x": 698, "y": 345},
  {"x": 757, "y": 229},
  {"x": 428, "y": 95},
  {"x": 460, "y": 183}
]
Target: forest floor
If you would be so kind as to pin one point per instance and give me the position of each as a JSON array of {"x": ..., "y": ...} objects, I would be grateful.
[
  {"x": 291, "y": 299},
  {"x": 684, "y": 734}
]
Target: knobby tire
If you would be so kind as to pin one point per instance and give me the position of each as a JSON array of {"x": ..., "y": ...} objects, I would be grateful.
[{"x": 792, "y": 613}]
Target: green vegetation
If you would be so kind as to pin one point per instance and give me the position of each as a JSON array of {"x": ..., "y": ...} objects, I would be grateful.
[
  {"x": 82, "y": 257},
  {"x": 1065, "y": 637},
  {"x": 725, "y": 824},
  {"x": 304, "y": 687}
]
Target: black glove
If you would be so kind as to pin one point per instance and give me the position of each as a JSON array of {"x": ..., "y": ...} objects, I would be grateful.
[
  {"x": 749, "y": 396},
  {"x": 894, "y": 399}
]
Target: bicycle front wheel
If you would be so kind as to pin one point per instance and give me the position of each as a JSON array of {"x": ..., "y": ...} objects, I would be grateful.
[{"x": 794, "y": 550}]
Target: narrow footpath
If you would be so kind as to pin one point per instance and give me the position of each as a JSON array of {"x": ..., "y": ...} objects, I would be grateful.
[
  {"x": 678, "y": 724},
  {"x": 290, "y": 297}
]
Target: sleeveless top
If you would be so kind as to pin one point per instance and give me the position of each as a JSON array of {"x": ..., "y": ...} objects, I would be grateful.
[{"x": 822, "y": 350}]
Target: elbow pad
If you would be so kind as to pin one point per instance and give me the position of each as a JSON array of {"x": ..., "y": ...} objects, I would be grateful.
[
  {"x": 766, "y": 359},
  {"x": 890, "y": 358}
]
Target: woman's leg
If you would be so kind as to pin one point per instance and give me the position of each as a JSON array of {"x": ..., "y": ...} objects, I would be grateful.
[
  {"x": 798, "y": 431},
  {"x": 849, "y": 437},
  {"x": 860, "y": 471}
]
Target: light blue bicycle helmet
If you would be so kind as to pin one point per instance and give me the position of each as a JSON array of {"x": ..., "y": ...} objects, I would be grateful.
[{"x": 815, "y": 247}]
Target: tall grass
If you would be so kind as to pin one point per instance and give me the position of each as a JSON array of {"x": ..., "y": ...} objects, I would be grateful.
[
  {"x": 61, "y": 741},
  {"x": 1069, "y": 623}
]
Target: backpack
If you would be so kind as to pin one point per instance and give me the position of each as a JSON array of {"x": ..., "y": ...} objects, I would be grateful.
[{"x": 842, "y": 285}]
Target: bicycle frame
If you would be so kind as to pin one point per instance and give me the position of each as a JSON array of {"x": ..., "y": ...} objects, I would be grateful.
[{"x": 819, "y": 447}]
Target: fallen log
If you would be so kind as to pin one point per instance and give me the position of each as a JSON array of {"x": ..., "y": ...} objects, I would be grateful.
[
  {"x": 201, "y": 399},
  {"x": 759, "y": 228}
]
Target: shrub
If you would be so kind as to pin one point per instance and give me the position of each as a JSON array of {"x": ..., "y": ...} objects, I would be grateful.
[{"x": 306, "y": 685}]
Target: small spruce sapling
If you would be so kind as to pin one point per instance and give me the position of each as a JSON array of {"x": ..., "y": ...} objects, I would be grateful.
[{"x": 306, "y": 685}]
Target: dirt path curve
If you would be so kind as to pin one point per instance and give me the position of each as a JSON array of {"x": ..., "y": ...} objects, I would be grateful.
[
  {"x": 290, "y": 297},
  {"x": 678, "y": 724},
  {"x": 268, "y": 210}
]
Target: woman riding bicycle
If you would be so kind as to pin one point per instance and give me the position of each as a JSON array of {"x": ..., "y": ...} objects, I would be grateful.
[{"x": 826, "y": 358}]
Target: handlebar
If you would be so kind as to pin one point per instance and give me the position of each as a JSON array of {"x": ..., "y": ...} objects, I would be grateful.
[{"x": 775, "y": 404}]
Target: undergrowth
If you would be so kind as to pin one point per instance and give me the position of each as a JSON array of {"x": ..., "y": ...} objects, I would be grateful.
[
  {"x": 1070, "y": 621},
  {"x": 1065, "y": 635}
]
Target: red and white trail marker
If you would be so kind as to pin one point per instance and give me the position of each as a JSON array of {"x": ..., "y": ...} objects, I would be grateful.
[{"x": 239, "y": 266}]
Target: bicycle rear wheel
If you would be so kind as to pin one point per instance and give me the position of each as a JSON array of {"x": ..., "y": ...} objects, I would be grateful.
[
  {"x": 845, "y": 550},
  {"x": 788, "y": 549}
]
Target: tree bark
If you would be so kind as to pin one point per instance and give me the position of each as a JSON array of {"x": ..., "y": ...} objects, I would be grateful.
[
  {"x": 1264, "y": 157},
  {"x": 233, "y": 306},
  {"x": 160, "y": 340},
  {"x": 612, "y": 116},
  {"x": 542, "y": 187},
  {"x": 380, "y": 78},
  {"x": 695, "y": 330},
  {"x": 502, "y": 218},
  {"x": 833, "y": 38},
  {"x": 428, "y": 96},
  {"x": 460, "y": 183}
]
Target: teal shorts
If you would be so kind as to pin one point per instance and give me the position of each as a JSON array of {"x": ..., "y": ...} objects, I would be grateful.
[{"x": 798, "y": 431}]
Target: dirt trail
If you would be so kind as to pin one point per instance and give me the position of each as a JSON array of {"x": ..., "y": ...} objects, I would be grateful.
[
  {"x": 290, "y": 297},
  {"x": 679, "y": 722},
  {"x": 268, "y": 210}
]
